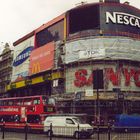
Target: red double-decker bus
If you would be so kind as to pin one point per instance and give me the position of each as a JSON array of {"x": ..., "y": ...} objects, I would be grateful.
[{"x": 16, "y": 112}]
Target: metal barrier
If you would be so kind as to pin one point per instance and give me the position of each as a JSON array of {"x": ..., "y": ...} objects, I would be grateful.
[
  {"x": 3, "y": 130},
  {"x": 99, "y": 133},
  {"x": 67, "y": 132},
  {"x": 26, "y": 131}
]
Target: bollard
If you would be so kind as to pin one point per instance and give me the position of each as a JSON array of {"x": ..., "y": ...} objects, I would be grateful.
[
  {"x": 50, "y": 131},
  {"x": 3, "y": 130},
  {"x": 98, "y": 133},
  {"x": 78, "y": 132},
  {"x": 26, "y": 131},
  {"x": 109, "y": 138}
]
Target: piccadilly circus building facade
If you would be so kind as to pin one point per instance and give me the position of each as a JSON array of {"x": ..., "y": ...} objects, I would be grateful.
[{"x": 60, "y": 58}]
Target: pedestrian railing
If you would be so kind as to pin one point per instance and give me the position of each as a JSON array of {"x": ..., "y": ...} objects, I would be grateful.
[{"x": 98, "y": 133}]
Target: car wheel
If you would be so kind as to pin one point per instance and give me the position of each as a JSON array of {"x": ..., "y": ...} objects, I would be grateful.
[
  {"x": 50, "y": 133},
  {"x": 76, "y": 135}
]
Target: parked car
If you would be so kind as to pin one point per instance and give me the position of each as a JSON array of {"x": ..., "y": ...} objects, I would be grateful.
[{"x": 67, "y": 126}]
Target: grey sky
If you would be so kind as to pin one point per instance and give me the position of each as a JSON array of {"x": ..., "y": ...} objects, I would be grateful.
[{"x": 19, "y": 17}]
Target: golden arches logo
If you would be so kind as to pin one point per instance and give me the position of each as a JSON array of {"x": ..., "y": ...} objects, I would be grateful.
[{"x": 36, "y": 68}]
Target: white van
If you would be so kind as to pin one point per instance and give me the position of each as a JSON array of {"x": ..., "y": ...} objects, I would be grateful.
[{"x": 67, "y": 126}]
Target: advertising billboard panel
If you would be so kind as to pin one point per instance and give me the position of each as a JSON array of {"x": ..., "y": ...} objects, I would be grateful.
[
  {"x": 119, "y": 18},
  {"x": 102, "y": 48},
  {"x": 126, "y": 77},
  {"x": 112, "y": 17},
  {"x": 42, "y": 59},
  {"x": 21, "y": 59},
  {"x": 84, "y": 18}
]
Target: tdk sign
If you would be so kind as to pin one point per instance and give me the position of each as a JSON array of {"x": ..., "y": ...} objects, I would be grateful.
[
  {"x": 123, "y": 18},
  {"x": 22, "y": 56}
]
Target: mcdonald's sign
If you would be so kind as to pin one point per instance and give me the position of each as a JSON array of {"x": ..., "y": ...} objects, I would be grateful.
[
  {"x": 42, "y": 59},
  {"x": 35, "y": 68}
]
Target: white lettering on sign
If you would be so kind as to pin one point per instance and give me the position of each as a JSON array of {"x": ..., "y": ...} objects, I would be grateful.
[
  {"x": 91, "y": 53},
  {"x": 9, "y": 109},
  {"x": 123, "y": 18}
]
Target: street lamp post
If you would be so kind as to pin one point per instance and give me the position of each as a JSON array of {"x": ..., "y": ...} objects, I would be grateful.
[
  {"x": 98, "y": 83},
  {"x": 98, "y": 106}
]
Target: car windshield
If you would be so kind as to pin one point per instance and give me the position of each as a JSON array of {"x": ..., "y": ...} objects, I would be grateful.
[{"x": 79, "y": 120}]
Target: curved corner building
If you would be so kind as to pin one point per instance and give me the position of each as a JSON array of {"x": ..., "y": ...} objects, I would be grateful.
[
  {"x": 88, "y": 58},
  {"x": 102, "y": 59}
]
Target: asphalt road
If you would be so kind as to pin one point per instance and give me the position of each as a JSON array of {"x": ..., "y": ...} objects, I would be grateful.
[{"x": 103, "y": 136}]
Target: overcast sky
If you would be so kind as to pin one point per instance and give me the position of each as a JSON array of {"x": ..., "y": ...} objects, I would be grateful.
[{"x": 19, "y": 17}]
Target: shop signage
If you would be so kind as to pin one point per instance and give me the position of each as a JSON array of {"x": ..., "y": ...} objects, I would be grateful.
[
  {"x": 88, "y": 93},
  {"x": 13, "y": 85}
]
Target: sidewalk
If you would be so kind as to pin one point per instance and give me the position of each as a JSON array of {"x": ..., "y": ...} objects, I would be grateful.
[{"x": 21, "y": 136}]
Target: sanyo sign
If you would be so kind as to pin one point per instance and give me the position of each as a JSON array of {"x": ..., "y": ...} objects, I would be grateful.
[{"x": 123, "y": 18}]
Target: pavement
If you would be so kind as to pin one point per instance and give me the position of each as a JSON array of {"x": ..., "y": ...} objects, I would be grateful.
[{"x": 102, "y": 136}]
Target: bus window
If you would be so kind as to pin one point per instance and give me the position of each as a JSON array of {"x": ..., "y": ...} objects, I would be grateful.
[
  {"x": 5, "y": 103},
  {"x": 33, "y": 118},
  {"x": 1, "y": 103},
  {"x": 51, "y": 101},
  {"x": 17, "y": 118},
  {"x": 10, "y": 102},
  {"x": 36, "y": 101},
  {"x": 45, "y": 100},
  {"x": 27, "y": 102},
  {"x": 18, "y": 102},
  {"x": 48, "y": 101}
]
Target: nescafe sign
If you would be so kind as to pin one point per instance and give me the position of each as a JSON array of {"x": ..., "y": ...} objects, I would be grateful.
[
  {"x": 123, "y": 18},
  {"x": 119, "y": 18}
]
